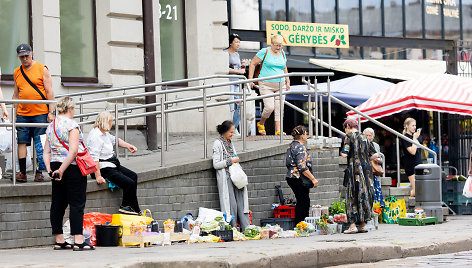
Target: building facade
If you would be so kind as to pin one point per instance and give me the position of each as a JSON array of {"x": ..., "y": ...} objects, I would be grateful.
[{"x": 92, "y": 44}]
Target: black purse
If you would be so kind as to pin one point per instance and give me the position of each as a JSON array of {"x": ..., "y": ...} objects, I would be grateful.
[
  {"x": 347, "y": 174},
  {"x": 114, "y": 160},
  {"x": 306, "y": 182}
]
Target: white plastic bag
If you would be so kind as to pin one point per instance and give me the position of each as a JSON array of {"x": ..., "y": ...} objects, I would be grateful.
[
  {"x": 238, "y": 177},
  {"x": 251, "y": 107},
  {"x": 208, "y": 215},
  {"x": 5, "y": 139},
  {"x": 467, "y": 191}
]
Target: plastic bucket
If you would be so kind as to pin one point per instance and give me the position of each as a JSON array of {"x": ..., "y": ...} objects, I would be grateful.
[{"x": 108, "y": 235}]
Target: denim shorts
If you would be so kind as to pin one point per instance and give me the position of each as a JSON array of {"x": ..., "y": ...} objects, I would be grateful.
[{"x": 25, "y": 134}]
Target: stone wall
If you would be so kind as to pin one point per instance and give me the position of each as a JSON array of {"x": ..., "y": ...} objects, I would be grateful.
[{"x": 168, "y": 192}]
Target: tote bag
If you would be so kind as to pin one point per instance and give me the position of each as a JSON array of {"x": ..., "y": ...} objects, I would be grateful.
[{"x": 238, "y": 177}]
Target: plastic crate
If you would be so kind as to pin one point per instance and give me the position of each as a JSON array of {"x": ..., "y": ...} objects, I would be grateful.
[
  {"x": 226, "y": 235},
  {"x": 284, "y": 212},
  {"x": 285, "y": 223},
  {"x": 462, "y": 209},
  {"x": 417, "y": 222},
  {"x": 449, "y": 186},
  {"x": 455, "y": 199}
]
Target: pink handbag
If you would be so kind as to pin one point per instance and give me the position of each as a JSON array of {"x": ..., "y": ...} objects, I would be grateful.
[{"x": 84, "y": 160}]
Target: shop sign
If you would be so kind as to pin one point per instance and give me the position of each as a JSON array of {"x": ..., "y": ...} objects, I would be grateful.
[
  {"x": 450, "y": 9},
  {"x": 302, "y": 34}
]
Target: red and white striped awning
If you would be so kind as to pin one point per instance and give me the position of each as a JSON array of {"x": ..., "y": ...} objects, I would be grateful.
[{"x": 440, "y": 93}]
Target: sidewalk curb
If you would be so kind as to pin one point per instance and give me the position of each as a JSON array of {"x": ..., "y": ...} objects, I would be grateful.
[{"x": 340, "y": 255}]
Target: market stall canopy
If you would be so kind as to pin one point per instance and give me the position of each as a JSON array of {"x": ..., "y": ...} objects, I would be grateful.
[
  {"x": 353, "y": 90},
  {"x": 392, "y": 69},
  {"x": 440, "y": 93}
]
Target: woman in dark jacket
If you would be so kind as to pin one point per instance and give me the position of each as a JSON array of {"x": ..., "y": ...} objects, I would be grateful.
[{"x": 298, "y": 162}]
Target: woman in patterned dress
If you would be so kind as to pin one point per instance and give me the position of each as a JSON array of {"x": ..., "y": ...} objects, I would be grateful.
[{"x": 359, "y": 194}]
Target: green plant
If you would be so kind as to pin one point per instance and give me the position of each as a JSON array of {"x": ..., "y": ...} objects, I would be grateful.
[
  {"x": 337, "y": 207},
  {"x": 321, "y": 223}
]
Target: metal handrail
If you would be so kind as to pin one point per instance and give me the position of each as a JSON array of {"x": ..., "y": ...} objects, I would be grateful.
[{"x": 164, "y": 111}]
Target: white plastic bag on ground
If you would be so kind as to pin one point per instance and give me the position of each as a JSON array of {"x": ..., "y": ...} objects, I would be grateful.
[
  {"x": 208, "y": 215},
  {"x": 467, "y": 191}
]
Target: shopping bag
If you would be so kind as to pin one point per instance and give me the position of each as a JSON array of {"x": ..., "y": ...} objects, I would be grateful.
[
  {"x": 5, "y": 139},
  {"x": 238, "y": 177},
  {"x": 126, "y": 221},
  {"x": 467, "y": 191},
  {"x": 92, "y": 219},
  {"x": 251, "y": 107},
  {"x": 393, "y": 209}
]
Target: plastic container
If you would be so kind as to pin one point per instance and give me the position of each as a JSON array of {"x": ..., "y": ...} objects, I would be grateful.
[
  {"x": 312, "y": 220},
  {"x": 316, "y": 212},
  {"x": 333, "y": 228},
  {"x": 265, "y": 234},
  {"x": 284, "y": 223},
  {"x": 284, "y": 212},
  {"x": 108, "y": 235},
  {"x": 226, "y": 235},
  {"x": 169, "y": 227}
]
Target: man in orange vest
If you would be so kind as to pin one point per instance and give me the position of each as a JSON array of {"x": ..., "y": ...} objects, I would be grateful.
[{"x": 32, "y": 82}]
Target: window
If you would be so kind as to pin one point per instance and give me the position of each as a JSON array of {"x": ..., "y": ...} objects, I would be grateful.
[
  {"x": 14, "y": 22},
  {"x": 371, "y": 18},
  {"x": 451, "y": 22},
  {"x": 349, "y": 14},
  {"x": 172, "y": 36},
  {"x": 78, "y": 44},
  {"x": 433, "y": 20},
  {"x": 325, "y": 12},
  {"x": 413, "y": 19},
  {"x": 300, "y": 11},
  {"x": 245, "y": 15},
  {"x": 467, "y": 19},
  {"x": 273, "y": 10},
  {"x": 393, "y": 18}
]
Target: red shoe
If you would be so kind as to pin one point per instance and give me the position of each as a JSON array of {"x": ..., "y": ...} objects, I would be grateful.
[{"x": 20, "y": 177}]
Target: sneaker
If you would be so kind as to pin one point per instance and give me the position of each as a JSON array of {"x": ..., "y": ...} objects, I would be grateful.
[
  {"x": 351, "y": 230},
  {"x": 127, "y": 210},
  {"x": 20, "y": 177}
]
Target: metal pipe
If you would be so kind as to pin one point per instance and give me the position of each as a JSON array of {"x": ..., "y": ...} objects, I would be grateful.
[
  {"x": 383, "y": 163},
  {"x": 310, "y": 122},
  {"x": 14, "y": 152},
  {"x": 205, "y": 125},
  {"x": 163, "y": 129},
  {"x": 116, "y": 131},
  {"x": 398, "y": 161},
  {"x": 180, "y": 81},
  {"x": 125, "y": 131},
  {"x": 35, "y": 157},
  {"x": 166, "y": 125},
  {"x": 329, "y": 108},
  {"x": 439, "y": 140},
  {"x": 359, "y": 123},
  {"x": 321, "y": 115},
  {"x": 316, "y": 106},
  {"x": 385, "y": 127},
  {"x": 81, "y": 109},
  {"x": 312, "y": 118},
  {"x": 244, "y": 121},
  {"x": 281, "y": 115}
]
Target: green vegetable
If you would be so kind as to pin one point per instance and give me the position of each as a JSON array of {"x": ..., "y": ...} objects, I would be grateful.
[
  {"x": 321, "y": 223},
  {"x": 462, "y": 178},
  {"x": 337, "y": 207},
  {"x": 252, "y": 231},
  {"x": 218, "y": 218},
  {"x": 228, "y": 227}
]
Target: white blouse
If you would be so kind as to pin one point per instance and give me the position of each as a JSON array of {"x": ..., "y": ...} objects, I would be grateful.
[{"x": 100, "y": 146}]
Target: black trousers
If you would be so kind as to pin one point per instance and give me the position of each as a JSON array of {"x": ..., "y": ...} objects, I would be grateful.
[
  {"x": 127, "y": 180},
  {"x": 70, "y": 191},
  {"x": 302, "y": 194}
]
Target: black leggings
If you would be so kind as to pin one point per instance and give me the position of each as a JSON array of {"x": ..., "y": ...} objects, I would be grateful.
[
  {"x": 302, "y": 194},
  {"x": 70, "y": 191},
  {"x": 126, "y": 180}
]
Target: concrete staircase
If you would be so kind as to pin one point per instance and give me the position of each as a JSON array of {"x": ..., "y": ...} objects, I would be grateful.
[{"x": 399, "y": 192}]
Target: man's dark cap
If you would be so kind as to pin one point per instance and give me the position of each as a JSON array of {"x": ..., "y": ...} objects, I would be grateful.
[{"x": 23, "y": 50}]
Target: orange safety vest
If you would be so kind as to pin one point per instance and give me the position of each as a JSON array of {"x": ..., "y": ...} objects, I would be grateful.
[{"x": 27, "y": 92}]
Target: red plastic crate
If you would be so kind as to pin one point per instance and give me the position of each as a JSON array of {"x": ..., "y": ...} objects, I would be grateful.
[{"x": 284, "y": 212}]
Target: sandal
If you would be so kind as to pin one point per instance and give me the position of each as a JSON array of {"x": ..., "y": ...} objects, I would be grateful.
[
  {"x": 277, "y": 133},
  {"x": 261, "y": 129},
  {"x": 83, "y": 246},
  {"x": 62, "y": 246},
  {"x": 351, "y": 230}
]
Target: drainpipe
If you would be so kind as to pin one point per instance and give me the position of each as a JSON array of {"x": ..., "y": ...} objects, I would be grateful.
[{"x": 149, "y": 72}]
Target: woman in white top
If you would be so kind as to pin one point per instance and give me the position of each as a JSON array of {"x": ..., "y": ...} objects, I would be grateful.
[{"x": 100, "y": 145}]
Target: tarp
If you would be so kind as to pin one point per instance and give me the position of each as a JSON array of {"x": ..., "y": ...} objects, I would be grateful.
[
  {"x": 440, "y": 93},
  {"x": 353, "y": 90},
  {"x": 393, "y": 69}
]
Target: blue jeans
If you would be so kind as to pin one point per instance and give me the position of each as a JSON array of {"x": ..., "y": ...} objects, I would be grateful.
[
  {"x": 236, "y": 117},
  {"x": 25, "y": 134}
]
